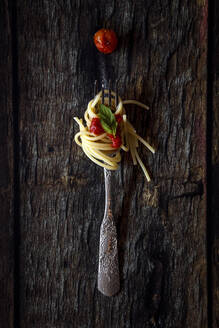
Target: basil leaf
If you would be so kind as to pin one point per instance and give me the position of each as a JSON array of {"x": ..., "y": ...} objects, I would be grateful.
[
  {"x": 106, "y": 114},
  {"x": 106, "y": 127},
  {"x": 107, "y": 119},
  {"x": 114, "y": 127}
]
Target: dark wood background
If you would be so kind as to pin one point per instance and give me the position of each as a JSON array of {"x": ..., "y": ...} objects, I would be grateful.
[{"x": 52, "y": 196}]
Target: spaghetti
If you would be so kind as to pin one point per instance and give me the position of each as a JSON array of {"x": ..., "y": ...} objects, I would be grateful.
[{"x": 99, "y": 147}]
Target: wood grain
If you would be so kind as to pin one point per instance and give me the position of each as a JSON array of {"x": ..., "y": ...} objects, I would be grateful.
[
  {"x": 6, "y": 172},
  {"x": 214, "y": 191},
  {"x": 161, "y": 61}
]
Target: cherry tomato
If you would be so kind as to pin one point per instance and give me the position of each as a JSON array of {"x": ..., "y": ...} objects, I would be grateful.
[
  {"x": 105, "y": 40},
  {"x": 118, "y": 118},
  {"x": 116, "y": 141},
  {"x": 96, "y": 127}
]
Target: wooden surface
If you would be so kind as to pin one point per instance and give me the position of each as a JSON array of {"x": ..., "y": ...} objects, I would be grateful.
[
  {"x": 214, "y": 173},
  {"x": 162, "y": 61},
  {"x": 6, "y": 173}
]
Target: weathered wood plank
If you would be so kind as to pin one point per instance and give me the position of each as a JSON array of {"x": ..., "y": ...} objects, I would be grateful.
[
  {"x": 161, "y": 60},
  {"x": 214, "y": 76},
  {"x": 6, "y": 172}
]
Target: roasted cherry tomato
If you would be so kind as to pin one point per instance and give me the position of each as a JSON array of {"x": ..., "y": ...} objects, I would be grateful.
[
  {"x": 96, "y": 127},
  {"x": 105, "y": 40},
  {"x": 118, "y": 118},
  {"x": 116, "y": 141}
]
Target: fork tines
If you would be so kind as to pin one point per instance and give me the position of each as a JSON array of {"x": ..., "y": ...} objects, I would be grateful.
[
  {"x": 95, "y": 88},
  {"x": 103, "y": 93},
  {"x": 103, "y": 89},
  {"x": 109, "y": 88},
  {"x": 116, "y": 95}
]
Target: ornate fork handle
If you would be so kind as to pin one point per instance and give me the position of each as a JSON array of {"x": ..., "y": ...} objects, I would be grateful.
[
  {"x": 108, "y": 198},
  {"x": 108, "y": 272}
]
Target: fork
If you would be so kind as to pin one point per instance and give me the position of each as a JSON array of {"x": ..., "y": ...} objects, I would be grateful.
[{"x": 108, "y": 269}]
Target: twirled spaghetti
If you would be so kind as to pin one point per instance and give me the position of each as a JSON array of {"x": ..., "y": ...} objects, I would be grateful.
[{"x": 99, "y": 147}]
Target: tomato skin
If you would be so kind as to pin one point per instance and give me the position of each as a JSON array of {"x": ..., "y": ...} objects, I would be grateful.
[
  {"x": 116, "y": 141},
  {"x": 105, "y": 40},
  {"x": 118, "y": 118},
  {"x": 96, "y": 127}
]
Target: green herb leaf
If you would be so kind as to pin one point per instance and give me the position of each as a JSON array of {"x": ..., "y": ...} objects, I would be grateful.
[
  {"x": 114, "y": 129},
  {"x": 106, "y": 114},
  {"x": 106, "y": 127},
  {"x": 107, "y": 119}
]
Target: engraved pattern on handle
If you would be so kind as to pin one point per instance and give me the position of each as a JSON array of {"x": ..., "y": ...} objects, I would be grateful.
[{"x": 108, "y": 272}]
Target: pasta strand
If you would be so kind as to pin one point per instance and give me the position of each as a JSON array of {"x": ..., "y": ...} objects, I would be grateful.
[{"x": 98, "y": 148}]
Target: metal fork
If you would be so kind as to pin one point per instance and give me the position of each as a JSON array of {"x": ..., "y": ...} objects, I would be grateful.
[{"x": 108, "y": 270}]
